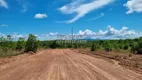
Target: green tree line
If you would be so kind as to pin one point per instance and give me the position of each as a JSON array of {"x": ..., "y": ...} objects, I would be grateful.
[{"x": 10, "y": 47}]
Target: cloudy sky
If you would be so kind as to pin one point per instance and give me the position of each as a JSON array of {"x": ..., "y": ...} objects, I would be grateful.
[{"x": 103, "y": 19}]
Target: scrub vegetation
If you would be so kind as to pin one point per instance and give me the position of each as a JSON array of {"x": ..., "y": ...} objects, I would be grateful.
[{"x": 9, "y": 47}]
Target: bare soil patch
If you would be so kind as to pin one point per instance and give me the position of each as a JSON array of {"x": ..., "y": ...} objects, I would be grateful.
[{"x": 131, "y": 61}]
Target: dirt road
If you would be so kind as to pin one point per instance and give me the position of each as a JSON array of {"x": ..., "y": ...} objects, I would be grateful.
[{"x": 64, "y": 64}]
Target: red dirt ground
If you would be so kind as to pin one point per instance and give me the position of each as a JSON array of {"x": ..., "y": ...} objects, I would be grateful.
[{"x": 64, "y": 64}]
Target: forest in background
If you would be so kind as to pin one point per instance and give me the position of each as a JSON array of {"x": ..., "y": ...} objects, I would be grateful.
[{"x": 9, "y": 47}]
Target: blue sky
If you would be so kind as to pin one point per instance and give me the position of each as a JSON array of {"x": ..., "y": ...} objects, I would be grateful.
[{"x": 100, "y": 18}]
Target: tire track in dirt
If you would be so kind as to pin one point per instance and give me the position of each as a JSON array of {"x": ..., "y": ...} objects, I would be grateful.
[
  {"x": 109, "y": 69},
  {"x": 65, "y": 64},
  {"x": 98, "y": 73}
]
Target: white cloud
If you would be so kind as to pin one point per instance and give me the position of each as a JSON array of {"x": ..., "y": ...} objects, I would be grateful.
[
  {"x": 53, "y": 34},
  {"x": 4, "y": 25},
  {"x": 48, "y": 36},
  {"x": 101, "y": 15},
  {"x": 40, "y": 16},
  {"x": 111, "y": 33},
  {"x": 3, "y": 3},
  {"x": 16, "y": 36},
  {"x": 82, "y": 9},
  {"x": 134, "y": 6},
  {"x": 87, "y": 32},
  {"x": 122, "y": 33}
]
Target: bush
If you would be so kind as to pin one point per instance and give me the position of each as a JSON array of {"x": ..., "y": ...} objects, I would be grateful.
[
  {"x": 54, "y": 45},
  {"x": 93, "y": 47},
  {"x": 4, "y": 45},
  {"x": 108, "y": 46},
  {"x": 76, "y": 46},
  {"x": 126, "y": 47},
  {"x": 136, "y": 48},
  {"x": 108, "y": 49},
  {"x": 121, "y": 46},
  {"x": 139, "y": 49},
  {"x": 20, "y": 44},
  {"x": 31, "y": 44}
]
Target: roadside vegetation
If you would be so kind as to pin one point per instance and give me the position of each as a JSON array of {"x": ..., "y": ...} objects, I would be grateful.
[{"x": 10, "y": 47}]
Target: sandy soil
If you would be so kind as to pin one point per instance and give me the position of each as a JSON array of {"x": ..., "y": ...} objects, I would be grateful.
[{"x": 65, "y": 64}]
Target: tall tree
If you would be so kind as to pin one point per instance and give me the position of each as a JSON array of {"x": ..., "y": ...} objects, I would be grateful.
[
  {"x": 31, "y": 44},
  {"x": 20, "y": 44}
]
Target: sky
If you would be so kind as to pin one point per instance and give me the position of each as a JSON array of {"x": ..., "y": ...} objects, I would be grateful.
[{"x": 98, "y": 19}]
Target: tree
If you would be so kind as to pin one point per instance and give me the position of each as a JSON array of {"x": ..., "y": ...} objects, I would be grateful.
[
  {"x": 9, "y": 42},
  {"x": 4, "y": 44},
  {"x": 139, "y": 49},
  {"x": 116, "y": 47},
  {"x": 69, "y": 45},
  {"x": 20, "y": 44},
  {"x": 108, "y": 46},
  {"x": 31, "y": 44},
  {"x": 93, "y": 47},
  {"x": 54, "y": 45},
  {"x": 134, "y": 47},
  {"x": 9, "y": 38},
  {"x": 126, "y": 46},
  {"x": 76, "y": 45},
  {"x": 121, "y": 46}
]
